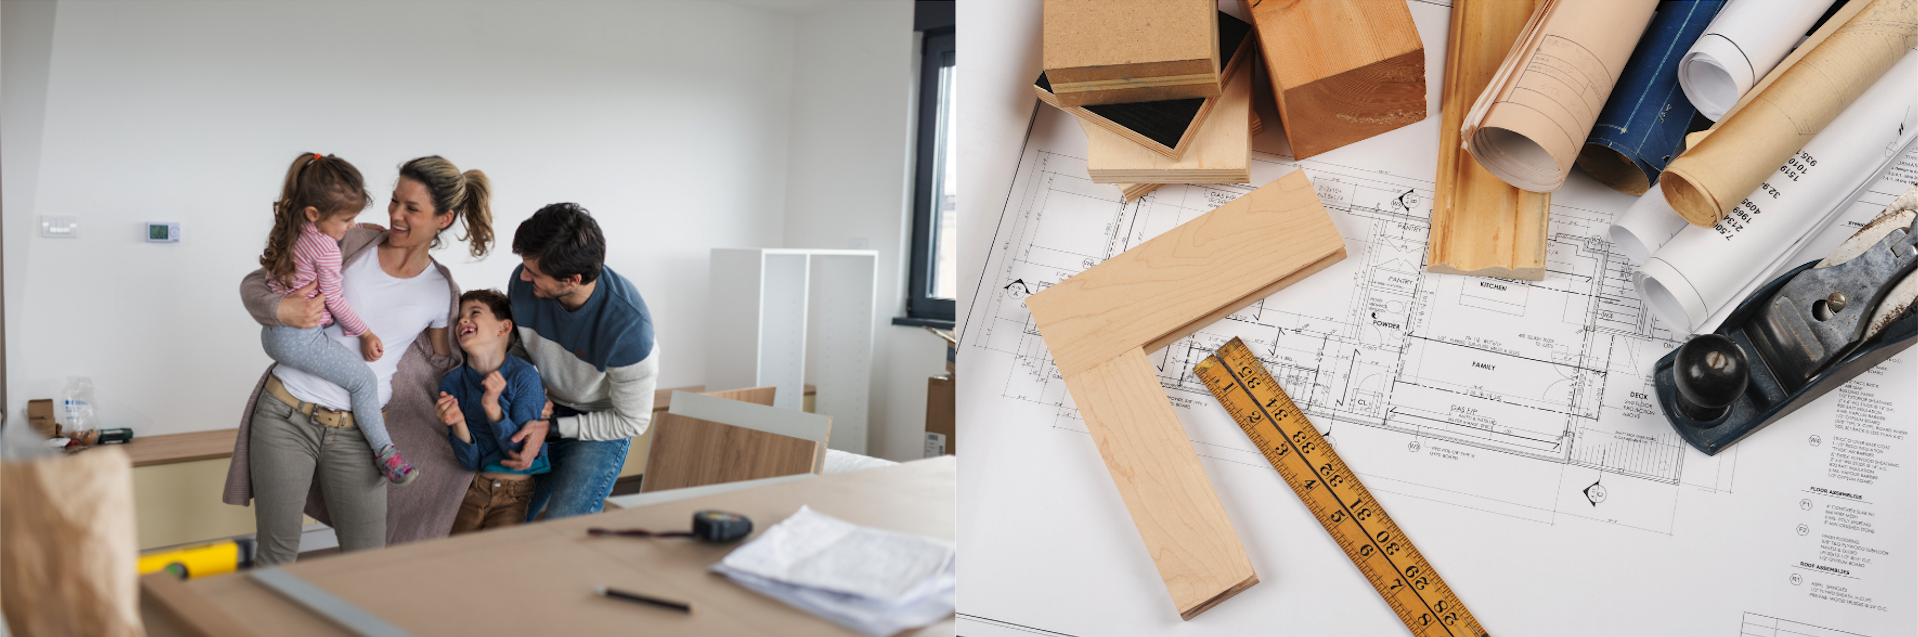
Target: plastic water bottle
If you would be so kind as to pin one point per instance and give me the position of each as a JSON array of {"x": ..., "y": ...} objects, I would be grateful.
[{"x": 76, "y": 405}]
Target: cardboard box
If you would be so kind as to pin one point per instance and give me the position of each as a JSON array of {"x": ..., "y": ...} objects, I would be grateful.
[
  {"x": 40, "y": 417},
  {"x": 940, "y": 416}
]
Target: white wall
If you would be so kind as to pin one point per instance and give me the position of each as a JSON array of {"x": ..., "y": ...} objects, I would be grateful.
[
  {"x": 670, "y": 121},
  {"x": 855, "y": 69}
]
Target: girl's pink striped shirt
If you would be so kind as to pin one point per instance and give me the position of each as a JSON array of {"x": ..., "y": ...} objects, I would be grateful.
[{"x": 317, "y": 257}]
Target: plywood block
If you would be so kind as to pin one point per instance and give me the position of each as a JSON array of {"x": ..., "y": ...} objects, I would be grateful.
[
  {"x": 1115, "y": 51},
  {"x": 1166, "y": 127},
  {"x": 1481, "y": 225},
  {"x": 1341, "y": 70},
  {"x": 1132, "y": 192},
  {"x": 1165, "y": 489},
  {"x": 1100, "y": 323},
  {"x": 1221, "y": 153},
  {"x": 1154, "y": 292}
]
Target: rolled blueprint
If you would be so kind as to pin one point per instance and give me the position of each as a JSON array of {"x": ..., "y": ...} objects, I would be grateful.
[
  {"x": 1528, "y": 125},
  {"x": 1741, "y": 46},
  {"x": 1646, "y": 226},
  {"x": 1643, "y": 125},
  {"x": 1694, "y": 279},
  {"x": 1708, "y": 180}
]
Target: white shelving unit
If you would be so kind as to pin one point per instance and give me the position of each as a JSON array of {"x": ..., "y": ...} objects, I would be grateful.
[{"x": 767, "y": 307}]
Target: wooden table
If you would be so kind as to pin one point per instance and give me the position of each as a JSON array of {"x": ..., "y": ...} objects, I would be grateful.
[{"x": 538, "y": 579}]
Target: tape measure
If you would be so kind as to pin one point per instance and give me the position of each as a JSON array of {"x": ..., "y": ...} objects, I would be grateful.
[{"x": 1347, "y": 510}]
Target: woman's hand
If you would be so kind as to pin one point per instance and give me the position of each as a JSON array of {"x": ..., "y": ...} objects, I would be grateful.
[
  {"x": 371, "y": 347},
  {"x": 302, "y": 309},
  {"x": 449, "y": 409}
]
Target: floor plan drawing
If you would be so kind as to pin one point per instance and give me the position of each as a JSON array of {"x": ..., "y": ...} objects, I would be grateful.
[{"x": 1545, "y": 377}]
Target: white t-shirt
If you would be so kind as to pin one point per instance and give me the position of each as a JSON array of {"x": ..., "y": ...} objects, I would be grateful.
[{"x": 395, "y": 309}]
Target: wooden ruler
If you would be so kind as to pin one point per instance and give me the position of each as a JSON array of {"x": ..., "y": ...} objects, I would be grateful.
[{"x": 1333, "y": 493}]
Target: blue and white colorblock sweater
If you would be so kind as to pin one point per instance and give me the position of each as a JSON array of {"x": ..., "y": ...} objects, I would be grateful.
[{"x": 600, "y": 360}]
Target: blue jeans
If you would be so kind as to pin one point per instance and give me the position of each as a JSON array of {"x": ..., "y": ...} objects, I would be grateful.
[{"x": 582, "y": 477}]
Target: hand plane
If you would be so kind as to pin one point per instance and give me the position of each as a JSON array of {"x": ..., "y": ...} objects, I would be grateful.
[{"x": 1799, "y": 336}]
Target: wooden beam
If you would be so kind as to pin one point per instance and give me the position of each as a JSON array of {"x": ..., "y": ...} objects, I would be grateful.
[
  {"x": 1100, "y": 323},
  {"x": 1221, "y": 153},
  {"x": 1116, "y": 51},
  {"x": 1481, "y": 225},
  {"x": 1341, "y": 70}
]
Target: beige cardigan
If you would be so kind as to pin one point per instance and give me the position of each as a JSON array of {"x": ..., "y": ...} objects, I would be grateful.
[{"x": 425, "y": 508}]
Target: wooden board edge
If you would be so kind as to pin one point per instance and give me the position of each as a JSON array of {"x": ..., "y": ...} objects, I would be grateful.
[
  {"x": 1189, "y": 613},
  {"x": 188, "y": 607}
]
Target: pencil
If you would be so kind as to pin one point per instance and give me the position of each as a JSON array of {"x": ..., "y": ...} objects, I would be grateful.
[{"x": 684, "y": 607}]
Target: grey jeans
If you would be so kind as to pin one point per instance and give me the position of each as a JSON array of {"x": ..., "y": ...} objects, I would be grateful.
[{"x": 285, "y": 450}]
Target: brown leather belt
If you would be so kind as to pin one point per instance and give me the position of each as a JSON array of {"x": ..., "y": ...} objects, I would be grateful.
[{"x": 324, "y": 416}]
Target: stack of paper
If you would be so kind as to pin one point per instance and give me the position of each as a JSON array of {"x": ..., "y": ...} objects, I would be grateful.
[{"x": 872, "y": 581}]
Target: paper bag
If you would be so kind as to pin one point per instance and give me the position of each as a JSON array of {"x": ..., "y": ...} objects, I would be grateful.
[{"x": 67, "y": 547}]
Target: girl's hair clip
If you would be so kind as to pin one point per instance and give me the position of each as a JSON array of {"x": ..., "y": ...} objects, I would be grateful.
[{"x": 316, "y": 157}]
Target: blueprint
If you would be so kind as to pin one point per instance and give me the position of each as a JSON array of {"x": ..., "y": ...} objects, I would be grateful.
[{"x": 1508, "y": 425}]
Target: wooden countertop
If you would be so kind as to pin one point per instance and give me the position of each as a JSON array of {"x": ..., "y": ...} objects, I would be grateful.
[{"x": 218, "y": 443}]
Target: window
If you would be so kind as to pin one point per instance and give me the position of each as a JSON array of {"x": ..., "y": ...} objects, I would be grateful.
[{"x": 934, "y": 276}]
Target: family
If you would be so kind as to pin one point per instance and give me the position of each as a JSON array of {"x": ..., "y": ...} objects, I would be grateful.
[{"x": 399, "y": 409}]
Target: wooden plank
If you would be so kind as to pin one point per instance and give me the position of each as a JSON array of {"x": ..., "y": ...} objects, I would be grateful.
[
  {"x": 1158, "y": 289},
  {"x": 1341, "y": 70},
  {"x": 689, "y": 452},
  {"x": 1115, "y": 51},
  {"x": 147, "y": 451},
  {"x": 1100, "y": 323},
  {"x": 1165, "y": 127},
  {"x": 1165, "y": 489},
  {"x": 1481, "y": 225},
  {"x": 1221, "y": 154}
]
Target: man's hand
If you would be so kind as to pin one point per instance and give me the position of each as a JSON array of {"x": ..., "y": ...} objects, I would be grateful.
[
  {"x": 296, "y": 310},
  {"x": 371, "y": 347},
  {"x": 534, "y": 435},
  {"x": 548, "y": 413},
  {"x": 449, "y": 408}
]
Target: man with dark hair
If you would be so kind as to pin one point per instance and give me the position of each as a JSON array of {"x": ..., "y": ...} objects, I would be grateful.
[{"x": 588, "y": 333}]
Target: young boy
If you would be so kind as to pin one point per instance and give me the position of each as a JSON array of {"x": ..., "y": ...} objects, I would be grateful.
[{"x": 485, "y": 402}]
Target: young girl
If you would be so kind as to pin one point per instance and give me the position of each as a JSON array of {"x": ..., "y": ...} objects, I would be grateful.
[{"x": 317, "y": 205}]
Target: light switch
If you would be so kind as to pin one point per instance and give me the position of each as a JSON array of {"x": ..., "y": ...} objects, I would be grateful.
[{"x": 59, "y": 227}]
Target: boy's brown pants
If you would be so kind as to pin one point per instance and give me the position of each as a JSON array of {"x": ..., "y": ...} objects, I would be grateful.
[{"x": 493, "y": 503}]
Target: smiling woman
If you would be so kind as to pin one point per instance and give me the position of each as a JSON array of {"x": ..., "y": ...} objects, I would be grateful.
[{"x": 387, "y": 291}]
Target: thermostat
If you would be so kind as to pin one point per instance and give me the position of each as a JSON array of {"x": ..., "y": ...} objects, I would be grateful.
[{"x": 163, "y": 232}]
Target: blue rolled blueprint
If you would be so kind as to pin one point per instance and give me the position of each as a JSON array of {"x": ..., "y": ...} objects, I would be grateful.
[{"x": 1643, "y": 125}]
